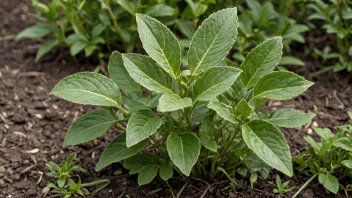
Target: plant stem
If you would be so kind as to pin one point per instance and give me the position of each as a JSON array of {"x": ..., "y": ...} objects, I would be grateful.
[
  {"x": 305, "y": 184},
  {"x": 124, "y": 111},
  {"x": 113, "y": 18},
  {"x": 105, "y": 182},
  {"x": 172, "y": 192}
]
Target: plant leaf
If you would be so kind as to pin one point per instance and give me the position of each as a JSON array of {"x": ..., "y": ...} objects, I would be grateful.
[
  {"x": 291, "y": 60},
  {"x": 128, "y": 6},
  {"x": 117, "y": 151},
  {"x": 222, "y": 78},
  {"x": 165, "y": 172},
  {"x": 223, "y": 111},
  {"x": 45, "y": 48},
  {"x": 213, "y": 40},
  {"x": 120, "y": 76},
  {"x": 329, "y": 182},
  {"x": 147, "y": 174},
  {"x": 280, "y": 85},
  {"x": 347, "y": 163},
  {"x": 289, "y": 118},
  {"x": 183, "y": 150},
  {"x": 261, "y": 61},
  {"x": 35, "y": 31},
  {"x": 145, "y": 71},
  {"x": 137, "y": 162},
  {"x": 269, "y": 144},
  {"x": 243, "y": 110},
  {"x": 324, "y": 133},
  {"x": 141, "y": 125},
  {"x": 208, "y": 143},
  {"x": 160, "y": 43},
  {"x": 89, "y": 127},
  {"x": 88, "y": 88},
  {"x": 173, "y": 102}
]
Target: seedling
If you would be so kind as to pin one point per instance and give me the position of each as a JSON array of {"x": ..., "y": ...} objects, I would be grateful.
[
  {"x": 330, "y": 159},
  {"x": 281, "y": 187},
  {"x": 65, "y": 185},
  {"x": 200, "y": 119},
  {"x": 337, "y": 18}
]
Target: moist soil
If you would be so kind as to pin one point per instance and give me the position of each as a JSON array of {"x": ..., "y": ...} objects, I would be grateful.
[{"x": 33, "y": 124}]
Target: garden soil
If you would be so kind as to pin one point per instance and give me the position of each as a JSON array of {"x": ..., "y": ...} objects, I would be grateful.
[{"x": 33, "y": 124}]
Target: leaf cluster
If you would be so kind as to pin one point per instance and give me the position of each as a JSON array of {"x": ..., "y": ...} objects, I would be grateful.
[
  {"x": 336, "y": 18},
  {"x": 199, "y": 119},
  {"x": 65, "y": 185},
  {"x": 99, "y": 27},
  {"x": 330, "y": 159}
]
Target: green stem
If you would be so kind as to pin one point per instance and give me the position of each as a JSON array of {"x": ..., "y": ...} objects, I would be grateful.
[
  {"x": 105, "y": 182},
  {"x": 113, "y": 18},
  {"x": 124, "y": 111},
  {"x": 172, "y": 192},
  {"x": 228, "y": 143},
  {"x": 305, "y": 184}
]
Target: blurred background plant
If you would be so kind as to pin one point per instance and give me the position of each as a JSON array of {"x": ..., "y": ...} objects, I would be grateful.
[
  {"x": 335, "y": 17},
  {"x": 99, "y": 27}
]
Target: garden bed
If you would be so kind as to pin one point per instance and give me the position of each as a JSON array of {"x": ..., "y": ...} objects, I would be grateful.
[{"x": 33, "y": 124}]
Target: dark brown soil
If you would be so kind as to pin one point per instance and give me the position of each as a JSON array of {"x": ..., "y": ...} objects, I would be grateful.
[{"x": 33, "y": 124}]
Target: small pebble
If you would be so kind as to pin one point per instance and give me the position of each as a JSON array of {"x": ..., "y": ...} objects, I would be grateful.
[
  {"x": 315, "y": 124},
  {"x": 39, "y": 116},
  {"x": 310, "y": 131}
]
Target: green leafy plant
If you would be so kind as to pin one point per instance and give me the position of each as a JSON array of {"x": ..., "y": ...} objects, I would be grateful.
[
  {"x": 201, "y": 119},
  {"x": 65, "y": 185},
  {"x": 281, "y": 187},
  {"x": 330, "y": 159},
  {"x": 259, "y": 22},
  {"x": 337, "y": 19}
]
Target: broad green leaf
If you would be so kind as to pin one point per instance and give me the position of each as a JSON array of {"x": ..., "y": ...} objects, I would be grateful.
[
  {"x": 147, "y": 174},
  {"x": 329, "y": 182},
  {"x": 324, "y": 133},
  {"x": 280, "y": 85},
  {"x": 243, "y": 110},
  {"x": 160, "y": 43},
  {"x": 120, "y": 76},
  {"x": 137, "y": 162},
  {"x": 347, "y": 163},
  {"x": 289, "y": 118},
  {"x": 183, "y": 150},
  {"x": 89, "y": 127},
  {"x": 165, "y": 172},
  {"x": 199, "y": 112},
  {"x": 45, "y": 48},
  {"x": 269, "y": 144},
  {"x": 223, "y": 111},
  {"x": 208, "y": 143},
  {"x": 145, "y": 71},
  {"x": 35, "y": 31},
  {"x": 117, "y": 151},
  {"x": 261, "y": 61},
  {"x": 213, "y": 40},
  {"x": 173, "y": 102},
  {"x": 215, "y": 81},
  {"x": 255, "y": 164},
  {"x": 141, "y": 125},
  {"x": 88, "y": 88},
  {"x": 344, "y": 143}
]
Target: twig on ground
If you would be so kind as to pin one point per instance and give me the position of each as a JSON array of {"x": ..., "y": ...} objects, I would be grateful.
[{"x": 181, "y": 190}]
